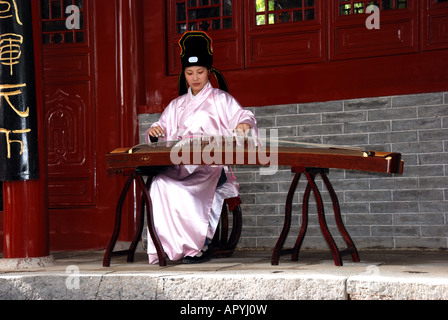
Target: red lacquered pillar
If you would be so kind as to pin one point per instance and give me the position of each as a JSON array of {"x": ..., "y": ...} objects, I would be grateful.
[
  {"x": 25, "y": 220},
  {"x": 25, "y": 204}
]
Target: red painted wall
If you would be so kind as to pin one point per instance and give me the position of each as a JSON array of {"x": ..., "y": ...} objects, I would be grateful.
[{"x": 409, "y": 54}]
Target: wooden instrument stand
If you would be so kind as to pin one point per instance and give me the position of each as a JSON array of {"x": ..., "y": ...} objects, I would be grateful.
[
  {"x": 310, "y": 161},
  {"x": 222, "y": 244},
  {"x": 310, "y": 174}
]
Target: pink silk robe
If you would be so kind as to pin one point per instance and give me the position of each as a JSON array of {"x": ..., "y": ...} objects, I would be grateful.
[{"x": 186, "y": 203}]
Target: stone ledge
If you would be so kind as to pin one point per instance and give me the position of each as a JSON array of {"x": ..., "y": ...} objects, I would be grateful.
[
  {"x": 221, "y": 286},
  {"x": 26, "y": 264},
  {"x": 172, "y": 287},
  {"x": 397, "y": 288},
  {"x": 247, "y": 275}
]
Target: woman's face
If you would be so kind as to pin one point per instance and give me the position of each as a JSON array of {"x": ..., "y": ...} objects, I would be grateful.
[{"x": 197, "y": 78}]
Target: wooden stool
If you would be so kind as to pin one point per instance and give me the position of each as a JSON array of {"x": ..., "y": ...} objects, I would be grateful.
[{"x": 223, "y": 245}]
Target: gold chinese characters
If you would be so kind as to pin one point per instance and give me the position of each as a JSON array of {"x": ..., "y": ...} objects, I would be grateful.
[
  {"x": 8, "y": 10},
  {"x": 9, "y": 141},
  {"x": 13, "y": 90},
  {"x": 12, "y": 94},
  {"x": 10, "y": 50}
]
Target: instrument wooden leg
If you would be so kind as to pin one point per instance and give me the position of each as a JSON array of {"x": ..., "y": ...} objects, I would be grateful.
[
  {"x": 322, "y": 221},
  {"x": 311, "y": 186},
  {"x": 351, "y": 248},
  {"x": 118, "y": 213},
  {"x": 151, "y": 226},
  {"x": 224, "y": 226},
  {"x": 236, "y": 228},
  {"x": 304, "y": 226},
  {"x": 139, "y": 228},
  {"x": 287, "y": 224}
]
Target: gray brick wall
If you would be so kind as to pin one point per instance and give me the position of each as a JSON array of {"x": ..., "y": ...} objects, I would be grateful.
[{"x": 379, "y": 210}]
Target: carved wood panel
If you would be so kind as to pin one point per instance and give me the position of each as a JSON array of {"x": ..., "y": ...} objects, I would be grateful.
[
  {"x": 67, "y": 130},
  {"x": 350, "y": 38},
  {"x": 435, "y": 25},
  {"x": 70, "y": 144}
]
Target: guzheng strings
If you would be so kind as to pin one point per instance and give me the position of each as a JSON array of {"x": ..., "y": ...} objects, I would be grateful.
[{"x": 235, "y": 150}]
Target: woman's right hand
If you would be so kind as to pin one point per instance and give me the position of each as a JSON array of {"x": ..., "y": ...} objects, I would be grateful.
[{"x": 156, "y": 132}]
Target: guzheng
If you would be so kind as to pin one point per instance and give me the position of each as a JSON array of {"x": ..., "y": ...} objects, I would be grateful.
[
  {"x": 309, "y": 160},
  {"x": 237, "y": 151}
]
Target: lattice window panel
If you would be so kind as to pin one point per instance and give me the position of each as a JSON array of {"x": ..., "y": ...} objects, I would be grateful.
[
  {"x": 284, "y": 11},
  {"x": 54, "y": 18},
  {"x": 356, "y": 7},
  {"x": 203, "y": 15}
]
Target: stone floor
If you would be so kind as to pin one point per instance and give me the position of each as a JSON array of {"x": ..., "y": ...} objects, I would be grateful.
[{"x": 247, "y": 275}]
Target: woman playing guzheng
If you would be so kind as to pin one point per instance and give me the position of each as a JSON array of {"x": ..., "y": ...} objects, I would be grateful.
[{"x": 187, "y": 199}]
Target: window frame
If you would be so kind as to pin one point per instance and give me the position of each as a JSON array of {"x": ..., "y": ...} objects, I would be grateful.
[
  {"x": 84, "y": 14},
  {"x": 266, "y": 12},
  {"x": 331, "y": 36},
  {"x": 227, "y": 43},
  {"x": 284, "y": 43}
]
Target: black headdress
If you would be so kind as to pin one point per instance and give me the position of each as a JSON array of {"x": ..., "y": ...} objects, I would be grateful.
[{"x": 197, "y": 50}]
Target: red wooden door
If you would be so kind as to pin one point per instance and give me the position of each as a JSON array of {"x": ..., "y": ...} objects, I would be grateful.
[
  {"x": 90, "y": 109},
  {"x": 69, "y": 106}
]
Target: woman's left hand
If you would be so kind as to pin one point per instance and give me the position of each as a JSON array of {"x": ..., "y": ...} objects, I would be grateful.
[{"x": 242, "y": 129}]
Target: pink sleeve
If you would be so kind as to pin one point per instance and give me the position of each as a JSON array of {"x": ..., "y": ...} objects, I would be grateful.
[
  {"x": 236, "y": 115},
  {"x": 166, "y": 121}
]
